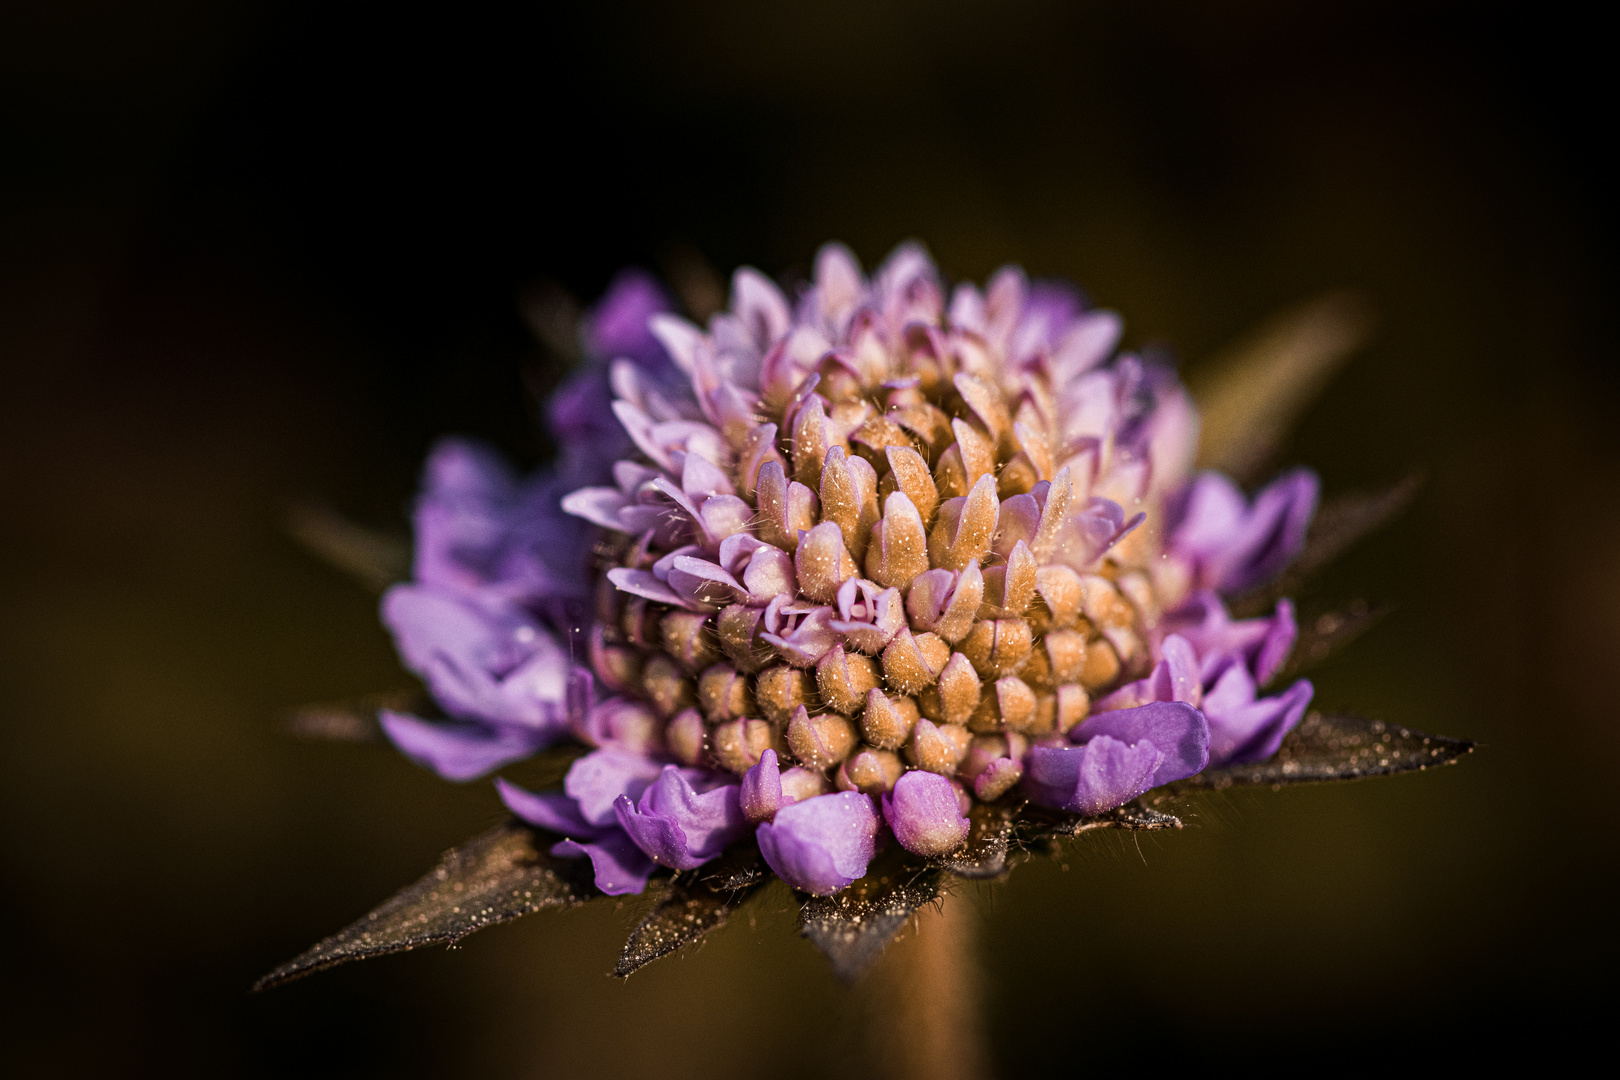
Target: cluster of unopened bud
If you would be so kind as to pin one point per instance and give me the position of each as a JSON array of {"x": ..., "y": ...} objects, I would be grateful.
[{"x": 954, "y": 651}]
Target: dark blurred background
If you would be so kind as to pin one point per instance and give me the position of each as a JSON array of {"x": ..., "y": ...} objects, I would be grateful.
[{"x": 255, "y": 254}]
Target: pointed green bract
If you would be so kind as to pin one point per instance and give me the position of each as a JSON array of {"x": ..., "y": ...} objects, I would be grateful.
[
  {"x": 491, "y": 879},
  {"x": 691, "y": 905},
  {"x": 1337, "y": 747}
]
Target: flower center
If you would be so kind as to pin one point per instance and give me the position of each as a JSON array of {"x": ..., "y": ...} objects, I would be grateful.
[{"x": 889, "y": 571}]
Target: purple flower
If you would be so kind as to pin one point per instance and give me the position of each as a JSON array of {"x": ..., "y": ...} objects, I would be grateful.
[
  {"x": 596, "y": 781},
  {"x": 850, "y": 538},
  {"x": 1124, "y": 754},
  {"x": 620, "y": 867},
  {"x": 761, "y": 795},
  {"x": 998, "y": 777},
  {"x": 821, "y": 844},
  {"x": 620, "y": 324},
  {"x": 1242, "y": 728},
  {"x": 868, "y": 615},
  {"x": 462, "y": 517},
  {"x": 1101, "y": 775},
  {"x": 925, "y": 814},
  {"x": 459, "y": 751},
  {"x": 857, "y": 492},
  {"x": 1232, "y": 545},
  {"x": 802, "y": 632},
  {"x": 481, "y": 530},
  {"x": 488, "y": 663},
  {"x": 680, "y": 825},
  {"x": 584, "y": 813},
  {"x": 482, "y": 660},
  {"x": 1176, "y": 728},
  {"x": 1174, "y": 678},
  {"x": 1262, "y": 645}
]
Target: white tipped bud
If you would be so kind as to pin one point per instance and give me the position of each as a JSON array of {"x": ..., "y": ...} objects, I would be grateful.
[
  {"x": 954, "y": 696},
  {"x": 738, "y": 630},
  {"x": 908, "y": 472},
  {"x": 1066, "y": 654},
  {"x": 758, "y": 448},
  {"x": 619, "y": 666},
  {"x": 780, "y": 691},
  {"x": 1103, "y": 604},
  {"x": 799, "y": 784},
  {"x": 738, "y": 744},
  {"x": 875, "y": 436},
  {"x": 689, "y": 638},
  {"x": 686, "y": 737},
  {"x": 1054, "y": 512},
  {"x": 887, "y": 722},
  {"x": 820, "y": 741},
  {"x": 1060, "y": 590},
  {"x": 1018, "y": 476},
  {"x": 898, "y": 549},
  {"x": 997, "y": 779},
  {"x": 998, "y": 646},
  {"x": 871, "y": 772},
  {"x": 822, "y": 562},
  {"x": 966, "y": 598},
  {"x": 978, "y": 454},
  {"x": 1011, "y": 705},
  {"x": 1009, "y": 589},
  {"x": 813, "y": 436},
  {"x": 1071, "y": 704},
  {"x": 950, "y": 475},
  {"x": 785, "y": 508},
  {"x": 1128, "y": 646},
  {"x": 1101, "y": 666},
  {"x": 665, "y": 686},
  {"x": 1034, "y": 446},
  {"x": 849, "y": 497},
  {"x": 989, "y": 407},
  {"x": 912, "y": 662},
  {"x": 938, "y": 748},
  {"x": 965, "y": 527},
  {"x": 723, "y": 693},
  {"x": 844, "y": 679},
  {"x": 926, "y": 422}
]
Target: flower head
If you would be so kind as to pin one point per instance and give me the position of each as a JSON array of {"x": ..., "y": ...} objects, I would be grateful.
[
  {"x": 876, "y": 531},
  {"x": 881, "y": 556}
]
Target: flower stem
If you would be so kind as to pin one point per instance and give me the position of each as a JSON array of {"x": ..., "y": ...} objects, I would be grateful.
[{"x": 924, "y": 999}]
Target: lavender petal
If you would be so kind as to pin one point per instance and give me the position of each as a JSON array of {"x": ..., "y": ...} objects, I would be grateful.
[
  {"x": 821, "y": 844},
  {"x": 1179, "y": 731},
  {"x": 459, "y": 751}
]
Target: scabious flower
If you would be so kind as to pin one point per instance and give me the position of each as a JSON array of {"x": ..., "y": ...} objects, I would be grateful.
[
  {"x": 878, "y": 571},
  {"x": 932, "y": 548}
]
